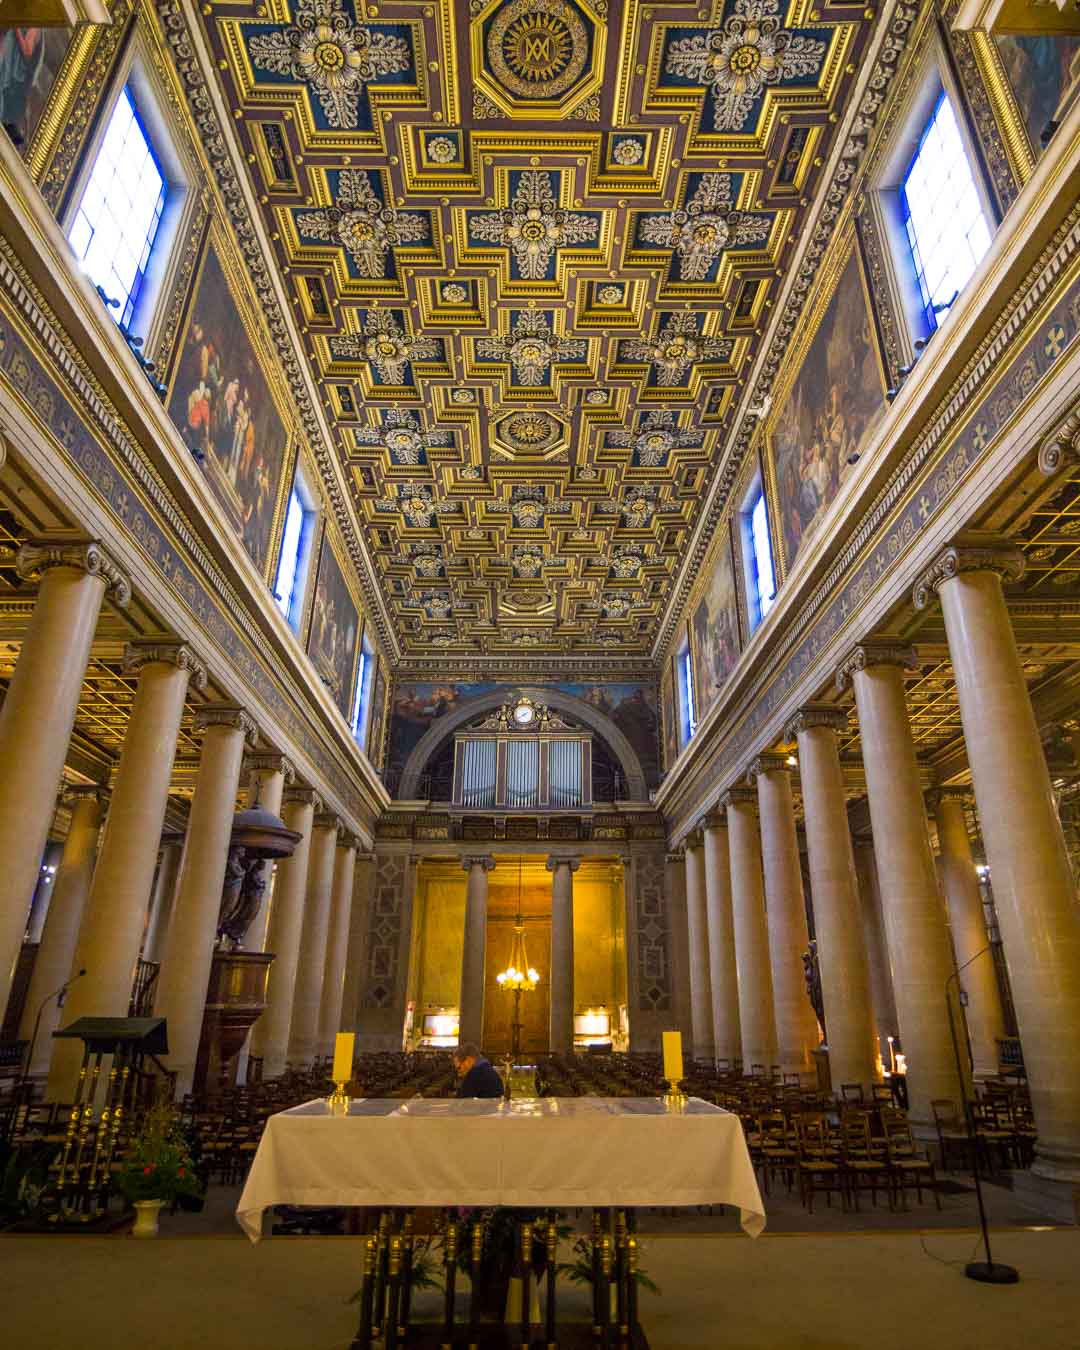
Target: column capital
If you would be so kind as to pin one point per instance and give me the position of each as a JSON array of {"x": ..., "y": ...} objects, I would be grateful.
[
  {"x": 829, "y": 715},
  {"x": 328, "y": 820},
  {"x": 738, "y": 796},
  {"x": 954, "y": 793},
  {"x": 346, "y": 839},
  {"x": 226, "y": 715},
  {"x": 168, "y": 651},
  {"x": 482, "y": 860},
  {"x": 766, "y": 763},
  {"x": 559, "y": 859},
  {"x": 975, "y": 551},
  {"x": 35, "y": 557},
  {"x": 1062, "y": 447},
  {"x": 713, "y": 820},
  {"x": 271, "y": 761},
  {"x": 675, "y": 855},
  {"x": 693, "y": 838},
  {"x": 80, "y": 792},
  {"x": 300, "y": 794},
  {"x": 875, "y": 652}
]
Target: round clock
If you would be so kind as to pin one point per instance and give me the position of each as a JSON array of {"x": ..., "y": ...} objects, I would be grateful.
[{"x": 524, "y": 714}]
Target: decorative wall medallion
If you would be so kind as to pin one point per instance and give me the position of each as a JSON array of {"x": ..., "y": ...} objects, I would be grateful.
[
  {"x": 530, "y": 432},
  {"x": 541, "y": 55}
]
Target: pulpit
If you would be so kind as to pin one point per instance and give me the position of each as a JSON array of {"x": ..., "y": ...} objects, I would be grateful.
[{"x": 235, "y": 999}]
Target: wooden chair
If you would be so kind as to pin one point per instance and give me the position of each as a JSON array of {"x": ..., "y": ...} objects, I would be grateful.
[
  {"x": 819, "y": 1169},
  {"x": 863, "y": 1164},
  {"x": 952, "y": 1133},
  {"x": 775, "y": 1148},
  {"x": 910, "y": 1169}
]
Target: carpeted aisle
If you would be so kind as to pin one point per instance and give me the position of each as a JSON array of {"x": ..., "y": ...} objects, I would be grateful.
[{"x": 844, "y": 1292}]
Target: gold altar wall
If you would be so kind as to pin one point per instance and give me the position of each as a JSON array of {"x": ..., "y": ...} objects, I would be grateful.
[{"x": 599, "y": 941}]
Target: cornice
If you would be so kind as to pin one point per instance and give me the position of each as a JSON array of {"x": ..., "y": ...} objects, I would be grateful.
[
  {"x": 193, "y": 63},
  {"x": 973, "y": 552}
]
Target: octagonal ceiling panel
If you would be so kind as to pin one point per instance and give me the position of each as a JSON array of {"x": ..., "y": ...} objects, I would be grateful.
[{"x": 531, "y": 245}]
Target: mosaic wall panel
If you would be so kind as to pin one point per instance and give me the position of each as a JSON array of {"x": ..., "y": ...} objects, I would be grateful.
[
  {"x": 389, "y": 906},
  {"x": 653, "y": 936}
]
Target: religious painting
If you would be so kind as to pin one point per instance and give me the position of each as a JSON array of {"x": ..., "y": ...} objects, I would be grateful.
[
  {"x": 632, "y": 707},
  {"x": 378, "y": 707},
  {"x": 1038, "y": 70},
  {"x": 715, "y": 628},
  {"x": 223, "y": 405},
  {"x": 834, "y": 403},
  {"x": 671, "y": 726},
  {"x": 416, "y": 707},
  {"x": 30, "y": 60},
  {"x": 335, "y": 629}
]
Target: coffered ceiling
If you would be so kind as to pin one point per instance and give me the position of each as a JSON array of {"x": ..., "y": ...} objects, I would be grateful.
[{"x": 532, "y": 246}]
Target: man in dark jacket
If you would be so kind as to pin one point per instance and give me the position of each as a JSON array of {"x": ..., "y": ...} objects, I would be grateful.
[{"x": 477, "y": 1074}]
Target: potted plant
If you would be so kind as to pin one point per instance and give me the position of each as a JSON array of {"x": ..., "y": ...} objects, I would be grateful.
[{"x": 157, "y": 1169}]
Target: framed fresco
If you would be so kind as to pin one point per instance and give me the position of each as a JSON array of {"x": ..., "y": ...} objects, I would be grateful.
[
  {"x": 714, "y": 627},
  {"x": 30, "y": 63},
  {"x": 378, "y": 708},
  {"x": 828, "y": 407},
  {"x": 1038, "y": 69},
  {"x": 334, "y": 637},
  {"x": 225, "y": 406}
]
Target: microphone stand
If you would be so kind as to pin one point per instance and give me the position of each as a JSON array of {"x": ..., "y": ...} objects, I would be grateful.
[
  {"x": 58, "y": 994},
  {"x": 988, "y": 1271}
]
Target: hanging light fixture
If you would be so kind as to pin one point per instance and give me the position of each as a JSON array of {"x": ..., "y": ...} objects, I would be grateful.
[{"x": 518, "y": 976}]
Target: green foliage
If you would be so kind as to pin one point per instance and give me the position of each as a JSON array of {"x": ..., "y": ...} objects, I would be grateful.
[
  {"x": 158, "y": 1164},
  {"x": 24, "y": 1181},
  {"x": 580, "y": 1269}
]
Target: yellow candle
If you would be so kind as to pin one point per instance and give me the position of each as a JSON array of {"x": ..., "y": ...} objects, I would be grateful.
[
  {"x": 343, "y": 1056},
  {"x": 673, "y": 1070}
]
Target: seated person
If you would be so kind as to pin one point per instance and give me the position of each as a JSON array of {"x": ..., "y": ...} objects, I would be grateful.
[{"x": 477, "y": 1074}]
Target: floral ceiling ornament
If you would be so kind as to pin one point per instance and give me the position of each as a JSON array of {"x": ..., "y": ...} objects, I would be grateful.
[
  {"x": 363, "y": 225},
  {"x": 626, "y": 563},
  {"x": 429, "y": 561},
  {"x": 654, "y": 440},
  {"x": 384, "y": 343},
  {"x": 675, "y": 348},
  {"x": 416, "y": 503},
  {"x": 700, "y": 231},
  {"x": 637, "y": 507},
  {"x": 618, "y": 605},
  {"x": 738, "y": 60},
  {"x": 438, "y": 605},
  {"x": 335, "y": 56},
  {"x": 531, "y": 347},
  {"x": 402, "y": 436},
  {"x": 534, "y": 225},
  {"x": 628, "y": 152}
]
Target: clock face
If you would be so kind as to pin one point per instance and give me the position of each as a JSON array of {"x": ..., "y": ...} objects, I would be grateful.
[{"x": 524, "y": 714}]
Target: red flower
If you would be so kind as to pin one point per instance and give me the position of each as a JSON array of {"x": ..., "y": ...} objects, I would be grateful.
[
  {"x": 180, "y": 1173},
  {"x": 147, "y": 1171}
]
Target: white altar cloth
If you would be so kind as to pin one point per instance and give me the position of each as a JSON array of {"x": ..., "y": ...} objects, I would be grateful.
[{"x": 546, "y": 1152}]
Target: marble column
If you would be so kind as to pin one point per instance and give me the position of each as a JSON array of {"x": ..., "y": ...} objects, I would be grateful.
[
  {"x": 270, "y": 774},
  {"x": 886, "y": 1023},
  {"x": 757, "y": 1019},
  {"x": 115, "y": 915},
  {"x": 39, "y": 711},
  {"x": 915, "y": 926},
  {"x": 971, "y": 941},
  {"x": 337, "y": 943},
  {"x": 562, "y": 871},
  {"x": 163, "y": 897},
  {"x": 356, "y": 960},
  {"x": 841, "y": 950},
  {"x": 785, "y": 908},
  {"x": 53, "y": 964},
  {"x": 1034, "y": 891},
  {"x": 270, "y": 1035},
  {"x": 180, "y": 996},
  {"x": 311, "y": 963},
  {"x": 720, "y": 923},
  {"x": 697, "y": 930},
  {"x": 473, "y": 968}
]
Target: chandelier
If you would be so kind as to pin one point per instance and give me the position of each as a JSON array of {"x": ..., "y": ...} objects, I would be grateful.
[{"x": 518, "y": 975}]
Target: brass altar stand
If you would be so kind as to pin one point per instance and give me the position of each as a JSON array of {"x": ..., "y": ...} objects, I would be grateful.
[
  {"x": 386, "y": 1316},
  {"x": 94, "y": 1140}
]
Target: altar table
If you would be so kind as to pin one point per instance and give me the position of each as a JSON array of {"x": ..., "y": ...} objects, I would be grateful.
[{"x": 536, "y": 1153}]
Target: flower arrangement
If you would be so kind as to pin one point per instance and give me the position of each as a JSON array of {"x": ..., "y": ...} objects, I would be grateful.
[{"x": 158, "y": 1165}]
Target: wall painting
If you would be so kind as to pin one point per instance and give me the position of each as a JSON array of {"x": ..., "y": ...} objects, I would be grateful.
[
  {"x": 335, "y": 628},
  {"x": 714, "y": 628}
]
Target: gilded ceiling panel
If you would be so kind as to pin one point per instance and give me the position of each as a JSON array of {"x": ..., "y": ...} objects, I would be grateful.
[{"x": 532, "y": 245}]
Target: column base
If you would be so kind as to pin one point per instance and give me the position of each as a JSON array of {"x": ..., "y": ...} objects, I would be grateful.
[{"x": 1057, "y": 1197}]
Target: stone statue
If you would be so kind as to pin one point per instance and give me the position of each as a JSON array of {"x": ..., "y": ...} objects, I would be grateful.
[
  {"x": 812, "y": 975},
  {"x": 241, "y": 895}
]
